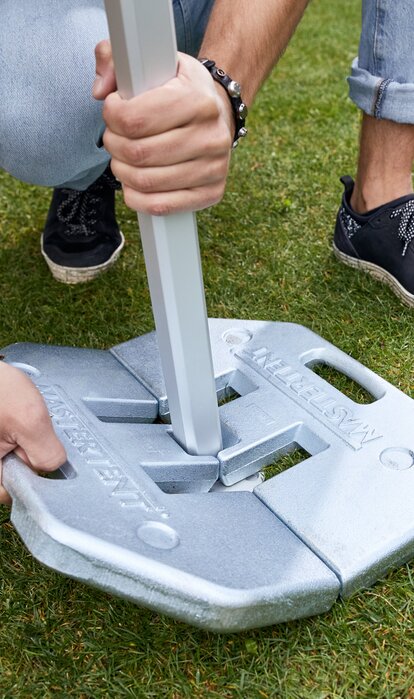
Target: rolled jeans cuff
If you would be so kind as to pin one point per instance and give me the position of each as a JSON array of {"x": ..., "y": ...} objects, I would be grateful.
[{"x": 382, "y": 98}]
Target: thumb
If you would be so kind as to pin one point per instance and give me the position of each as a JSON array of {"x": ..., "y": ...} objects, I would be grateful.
[
  {"x": 45, "y": 457},
  {"x": 38, "y": 448},
  {"x": 41, "y": 449},
  {"x": 105, "y": 81}
]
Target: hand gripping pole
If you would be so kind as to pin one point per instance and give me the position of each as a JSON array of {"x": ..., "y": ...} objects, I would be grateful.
[{"x": 144, "y": 48}]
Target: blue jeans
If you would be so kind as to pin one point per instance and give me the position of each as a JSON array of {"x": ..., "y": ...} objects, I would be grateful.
[
  {"x": 382, "y": 78},
  {"x": 50, "y": 125}
]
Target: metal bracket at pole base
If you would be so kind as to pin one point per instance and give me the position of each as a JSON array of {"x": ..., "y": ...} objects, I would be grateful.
[{"x": 133, "y": 513}]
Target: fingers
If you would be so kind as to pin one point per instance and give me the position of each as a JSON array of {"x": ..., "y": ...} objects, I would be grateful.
[
  {"x": 171, "y": 146},
  {"x": 187, "y": 98},
  {"x": 165, "y": 179},
  {"x": 25, "y": 425},
  {"x": 167, "y": 148},
  {"x": 157, "y": 111},
  {"x": 166, "y": 203},
  {"x": 161, "y": 191},
  {"x": 105, "y": 81},
  {"x": 38, "y": 444}
]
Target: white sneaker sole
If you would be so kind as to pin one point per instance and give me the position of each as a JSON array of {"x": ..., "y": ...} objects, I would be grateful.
[
  {"x": 79, "y": 275},
  {"x": 378, "y": 273}
]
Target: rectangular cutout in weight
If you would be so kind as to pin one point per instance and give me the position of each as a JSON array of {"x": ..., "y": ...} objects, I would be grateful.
[{"x": 144, "y": 48}]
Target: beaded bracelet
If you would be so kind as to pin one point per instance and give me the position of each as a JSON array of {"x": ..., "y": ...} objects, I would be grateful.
[{"x": 233, "y": 90}]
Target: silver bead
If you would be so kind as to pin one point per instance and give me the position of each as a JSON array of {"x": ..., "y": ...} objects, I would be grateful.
[
  {"x": 234, "y": 89},
  {"x": 242, "y": 132},
  {"x": 242, "y": 110}
]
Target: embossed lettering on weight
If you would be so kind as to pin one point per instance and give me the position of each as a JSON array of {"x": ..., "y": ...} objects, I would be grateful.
[
  {"x": 354, "y": 430},
  {"x": 93, "y": 453}
]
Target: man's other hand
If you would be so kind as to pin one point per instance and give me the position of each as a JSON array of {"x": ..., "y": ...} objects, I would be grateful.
[{"x": 25, "y": 425}]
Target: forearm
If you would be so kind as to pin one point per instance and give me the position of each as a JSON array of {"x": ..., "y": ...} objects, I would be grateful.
[{"x": 247, "y": 38}]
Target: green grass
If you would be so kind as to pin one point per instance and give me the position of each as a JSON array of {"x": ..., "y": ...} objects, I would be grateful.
[{"x": 266, "y": 255}]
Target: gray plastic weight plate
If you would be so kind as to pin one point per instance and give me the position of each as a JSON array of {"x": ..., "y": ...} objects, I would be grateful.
[{"x": 133, "y": 514}]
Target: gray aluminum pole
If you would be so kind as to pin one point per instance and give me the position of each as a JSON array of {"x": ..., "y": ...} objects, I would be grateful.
[{"x": 144, "y": 48}]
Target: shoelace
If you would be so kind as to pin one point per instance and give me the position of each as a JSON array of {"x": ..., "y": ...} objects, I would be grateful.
[
  {"x": 406, "y": 223},
  {"x": 78, "y": 210},
  {"x": 349, "y": 222},
  {"x": 405, "y": 226}
]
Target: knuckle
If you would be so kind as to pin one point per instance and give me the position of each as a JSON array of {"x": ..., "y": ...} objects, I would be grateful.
[
  {"x": 138, "y": 153},
  {"x": 146, "y": 204},
  {"x": 208, "y": 108},
  {"x": 121, "y": 117},
  {"x": 159, "y": 207},
  {"x": 144, "y": 182},
  {"x": 131, "y": 123},
  {"x": 217, "y": 145}
]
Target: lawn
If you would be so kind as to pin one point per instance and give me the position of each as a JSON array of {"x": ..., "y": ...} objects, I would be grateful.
[{"x": 266, "y": 255}]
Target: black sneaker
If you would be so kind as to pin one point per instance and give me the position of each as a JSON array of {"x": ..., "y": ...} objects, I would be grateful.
[
  {"x": 81, "y": 238},
  {"x": 378, "y": 242}
]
